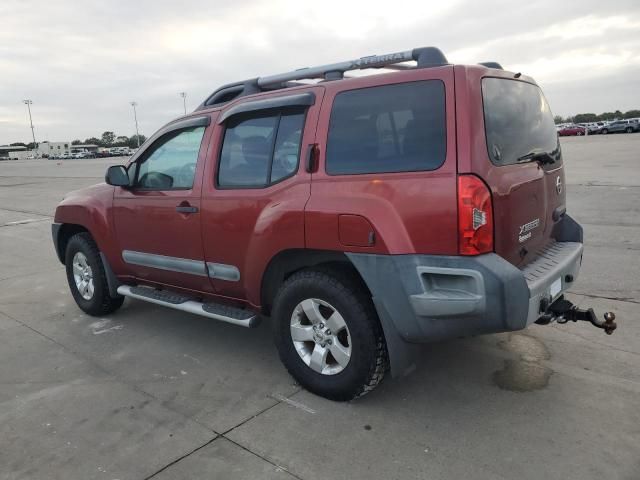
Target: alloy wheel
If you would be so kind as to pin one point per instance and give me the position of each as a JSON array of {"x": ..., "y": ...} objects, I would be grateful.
[
  {"x": 83, "y": 276},
  {"x": 320, "y": 336}
]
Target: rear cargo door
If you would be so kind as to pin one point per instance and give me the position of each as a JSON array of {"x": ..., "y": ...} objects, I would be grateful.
[{"x": 522, "y": 164}]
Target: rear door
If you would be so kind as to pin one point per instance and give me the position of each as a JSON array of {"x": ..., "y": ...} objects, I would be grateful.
[
  {"x": 517, "y": 153},
  {"x": 255, "y": 187}
]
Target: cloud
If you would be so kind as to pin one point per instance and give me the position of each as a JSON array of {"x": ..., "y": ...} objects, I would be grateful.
[{"x": 83, "y": 62}]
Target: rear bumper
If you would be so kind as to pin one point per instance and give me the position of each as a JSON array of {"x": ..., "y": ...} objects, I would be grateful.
[
  {"x": 433, "y": 298},
  {"x": 426, "y": 298}
]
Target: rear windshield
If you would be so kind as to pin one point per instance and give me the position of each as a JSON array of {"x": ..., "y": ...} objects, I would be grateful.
[{"x": 518, "y": 121}]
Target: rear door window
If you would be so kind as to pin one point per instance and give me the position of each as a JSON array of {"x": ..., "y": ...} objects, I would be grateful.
[
  {"x": 260, "y": 150},
  {"x": 391, "y": 128},
  {"x": 517, "y": 121}
]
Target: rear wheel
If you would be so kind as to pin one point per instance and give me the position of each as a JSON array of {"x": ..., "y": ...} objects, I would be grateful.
[
  {"x": 579, "y": 134},
  {"x": 629, "y": 130},
  {"x": 328, "y": 334},
  {"x": 604, "y": 131},
  {"x": 86, "y": 277}
]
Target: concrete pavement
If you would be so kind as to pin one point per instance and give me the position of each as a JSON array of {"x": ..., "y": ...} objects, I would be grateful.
[{"x": 153, "y": 393}]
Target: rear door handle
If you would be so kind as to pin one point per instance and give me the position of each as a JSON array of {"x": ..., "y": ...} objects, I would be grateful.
[
  {"x": 186, "y": 209},
  {"x": 310, "y": 161}
]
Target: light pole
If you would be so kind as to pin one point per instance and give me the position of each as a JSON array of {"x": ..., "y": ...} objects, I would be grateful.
[
  {"x": 28, "y": 103},
  {"x": 184, "y": 101},
  {"x": 135, "y": 117}
]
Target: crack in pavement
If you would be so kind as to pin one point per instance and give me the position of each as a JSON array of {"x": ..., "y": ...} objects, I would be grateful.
[
  {"x": 590, "y": 184},
  {"x": 52, "y": 269},
  {"x": 209, "y": 442},
  {"x": 604, "y": 297},
  {"x": 590, "y": 340},
  {"x": 26, "y": 211},
  {"x": 25, "y": 222},
  {"x": 103, "y": 369},
  {"x": 119, "y": 379},
  {"x": 284, "y": 469}
]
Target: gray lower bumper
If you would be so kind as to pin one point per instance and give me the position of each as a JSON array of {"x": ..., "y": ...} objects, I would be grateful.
[
  {"x": 553, "y": 272},
  {"x": 438, "y": 297},
  {"x": 426, "y": 298}
]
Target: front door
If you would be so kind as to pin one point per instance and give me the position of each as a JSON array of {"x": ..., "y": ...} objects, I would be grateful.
[{"x": 157, "y": 219}]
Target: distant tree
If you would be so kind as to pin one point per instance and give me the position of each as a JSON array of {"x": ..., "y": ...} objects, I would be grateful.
[
  {"x": 18, "y": 144},
  {"x": 76, "y": 142},
  {"x": 607, "y": 116},
  {"x": 93, "y": 141},
  {"x": 32, "y": 146},
  {"x": 585, "y": 118},
  {"x": 631, "y": 114},
  {"x": 133, "y": 141},
  {"x": 558, "y": 119},
  {"x": 122, "y": 140},
  {"x": 108, "y": 138}
]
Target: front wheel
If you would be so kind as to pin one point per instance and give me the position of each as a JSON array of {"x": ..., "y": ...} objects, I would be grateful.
[
  {"x": 86, "y": 277},
  {"x": 604, "y": 131},
  {"x": 629, "y": 130},
  {"x": 328, "y": 334}
]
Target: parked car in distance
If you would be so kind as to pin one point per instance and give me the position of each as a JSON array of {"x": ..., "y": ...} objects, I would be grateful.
[
  {"x": 364, "y": 215},
  {"x": 119, "y": 151},
  {"x": 621, "y": 126},
  {"x": 571, "y": 130},
  {"x": 592, "y": 127}
]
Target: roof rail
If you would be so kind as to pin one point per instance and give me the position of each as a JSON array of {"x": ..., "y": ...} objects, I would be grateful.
[
  {"x": 424, "y": 57},
  {"x": 491, "y": 65}
]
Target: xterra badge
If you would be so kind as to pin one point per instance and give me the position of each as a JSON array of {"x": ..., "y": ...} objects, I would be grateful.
[{"x": 525, "y": 230}]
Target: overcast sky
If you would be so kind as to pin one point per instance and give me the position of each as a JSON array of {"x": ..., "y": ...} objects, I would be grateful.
[{"x": 82, "y": 62}]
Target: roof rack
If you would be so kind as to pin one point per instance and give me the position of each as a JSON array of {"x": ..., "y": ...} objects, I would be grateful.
[{"x": 424, "y": 57}]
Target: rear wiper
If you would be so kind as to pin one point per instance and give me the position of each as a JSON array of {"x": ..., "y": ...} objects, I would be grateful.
[{"x": 542, "y": 157}]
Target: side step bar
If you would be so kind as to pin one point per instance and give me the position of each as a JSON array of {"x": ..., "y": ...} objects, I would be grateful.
[{"x": 224, "y": 313}]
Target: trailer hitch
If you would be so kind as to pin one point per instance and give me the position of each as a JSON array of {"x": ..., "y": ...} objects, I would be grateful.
[{"x": 563, "y": 310}]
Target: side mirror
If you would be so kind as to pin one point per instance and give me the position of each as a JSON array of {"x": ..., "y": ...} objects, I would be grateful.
[{"x": 117, "y": 176}]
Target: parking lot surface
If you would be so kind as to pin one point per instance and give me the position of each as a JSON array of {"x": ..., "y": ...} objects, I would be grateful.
[{"x": 154, "y": 393}]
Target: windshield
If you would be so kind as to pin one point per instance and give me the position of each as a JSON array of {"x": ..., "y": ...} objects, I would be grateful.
[{"x": 518, "y": 122}]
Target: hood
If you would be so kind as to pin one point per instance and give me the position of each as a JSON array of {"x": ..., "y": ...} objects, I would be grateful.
[{"x": 99, "y": 190}]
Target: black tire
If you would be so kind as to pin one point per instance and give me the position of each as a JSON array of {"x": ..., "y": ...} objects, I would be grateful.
[
  {"x": 604, "y": 131},
  {"x": 629, "y": 130},
  {"x": 368, "y": 362},
  {"x": 579, "y": 134},
  {"x": 101, "y": 303}
]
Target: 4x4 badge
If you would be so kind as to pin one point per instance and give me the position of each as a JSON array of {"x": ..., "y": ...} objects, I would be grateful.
[{"x": 558, "y": 185}]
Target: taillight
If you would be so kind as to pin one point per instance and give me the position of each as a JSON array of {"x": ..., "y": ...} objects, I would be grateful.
[{"x": 475, "y": 216}]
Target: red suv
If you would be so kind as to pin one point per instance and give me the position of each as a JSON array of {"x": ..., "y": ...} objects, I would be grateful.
[{"x": 363, "y": 215}]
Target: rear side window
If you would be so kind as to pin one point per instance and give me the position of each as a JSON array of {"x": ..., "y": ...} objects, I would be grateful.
[
  {"x": 260, "y": 150},
  {"x": 517, "y": 121},
  {"x": 392, "y": 128}
]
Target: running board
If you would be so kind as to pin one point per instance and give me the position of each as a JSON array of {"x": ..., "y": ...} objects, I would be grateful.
[{"x": 216, "y": 311}]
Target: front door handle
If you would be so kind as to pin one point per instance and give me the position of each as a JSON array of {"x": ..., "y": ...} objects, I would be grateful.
[{"x": 186, "y": 208}]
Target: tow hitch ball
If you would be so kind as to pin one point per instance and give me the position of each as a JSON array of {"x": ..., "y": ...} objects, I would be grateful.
[{"x": 563, "y": 310}]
